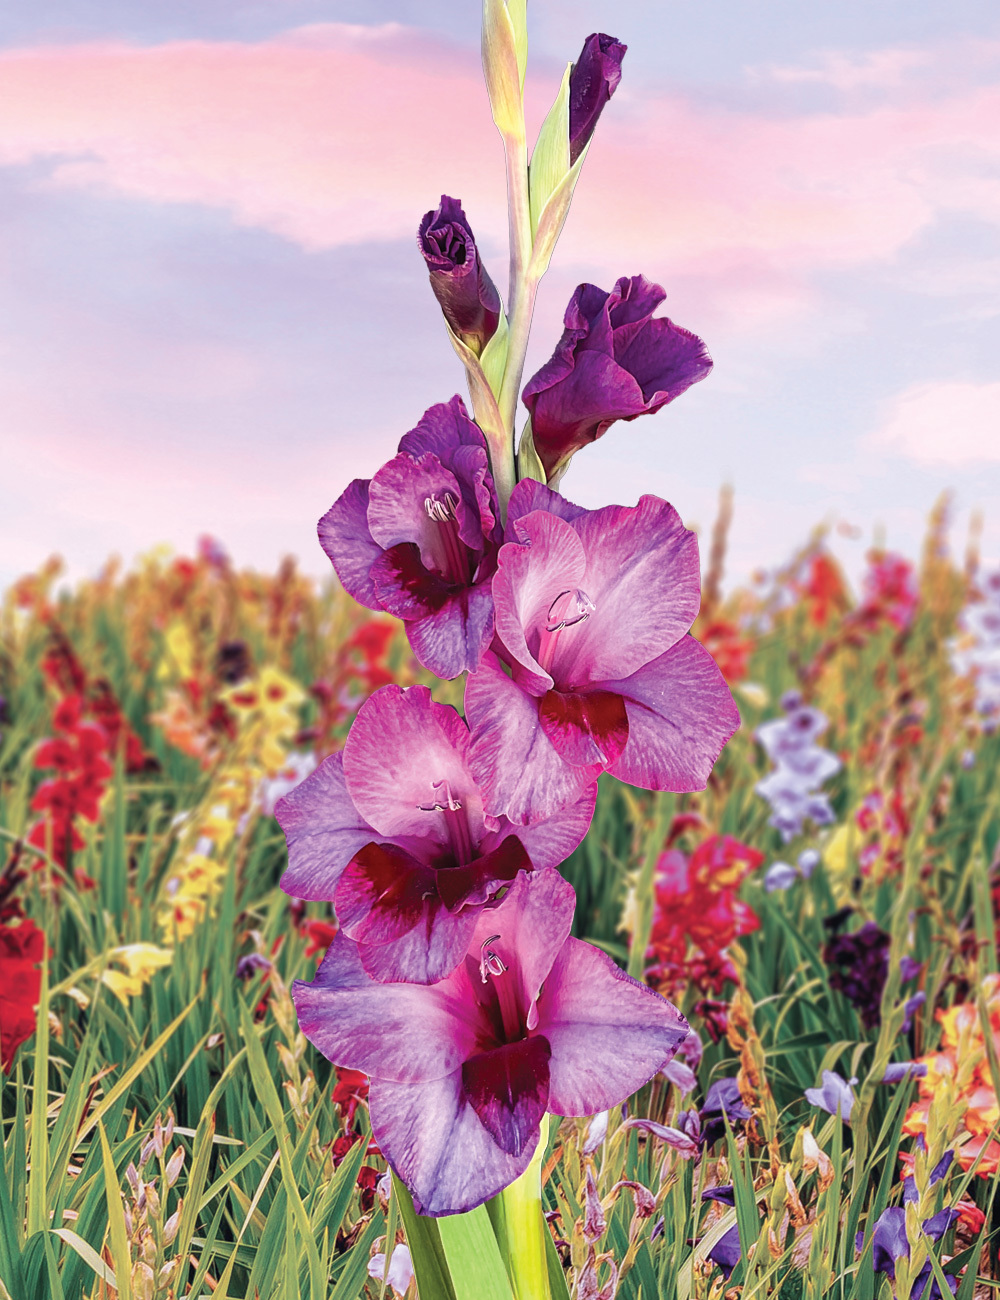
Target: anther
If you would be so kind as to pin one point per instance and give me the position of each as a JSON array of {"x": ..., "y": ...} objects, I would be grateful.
[
  {"x": 490, "y": 961},
  {"x": 441, "y": 511},
  {"x": 450, "y": 804}
]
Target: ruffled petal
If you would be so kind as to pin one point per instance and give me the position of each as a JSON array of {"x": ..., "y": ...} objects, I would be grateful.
[
  {"x": 404, "y": 755},
  {"x": 347, "y": 540},
  {"x": 530, "y": 495},
  {"x": 324, "y": 830},
  {"x": 680, "y": 714},
  {"x": 508, "y": 1088},
  {"x": 549, "y": 843},
  {"x": 404, "y": 585},
  {"x": 609, "y": 1034},
  {"x": 430, "y": 952},
  {"x": 397, "y": 513},
  {"x": 519, "y": 772},
  {"x": 435, "y": 1142},
  {"x": 644, "y": 578},
  {"x": 407, "y": 1033}
]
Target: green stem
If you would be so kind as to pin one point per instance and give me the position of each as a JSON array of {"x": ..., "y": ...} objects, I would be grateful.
[
  {"x": 522, "y": 1239},
  {"x": 523, "y": 281}
]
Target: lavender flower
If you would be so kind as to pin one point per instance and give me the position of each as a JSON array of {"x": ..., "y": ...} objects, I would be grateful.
[
  {"x": 779, "y": 876},
  {"x": 722, "y": 1099},
  {"x": 976, "y": 651},
  {"x": 592, "y": 82},
  {"x": 613, "y": 362},
  {"x": 592, "y": 611},
  {"x": 890, "y": 1243},
  {"x": 835, "y": 1094},
  {"x": 462, "y": 1071},
  {"x": 801, "y": 767},
  {"x": 461, "y": 284},
  {"x": 420, "y": 540}
]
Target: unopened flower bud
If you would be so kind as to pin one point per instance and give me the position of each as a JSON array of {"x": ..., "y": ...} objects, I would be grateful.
[
  {"x": 132, "y": 1174},
  {"x": 153, "y": 1200},
  {"x": 143, "y": 1282},
  {"x": 171, "y": 1226},
  {"x": 592, "y": 82},
  {"x": 467, "y": 296},
  {"x": 174, "y": 1166}
]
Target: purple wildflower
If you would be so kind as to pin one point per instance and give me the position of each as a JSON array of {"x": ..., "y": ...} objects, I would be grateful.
[
  {"x": 890, "y": 1243},
  {"x": 462, "y": 1071},
  {"x": 592, "y": 611},
  {"x": 678, "y": 1138},
  {"x": 592, "y": 82},
  {"x": 727, "y": 1250},
  {"x": 779, "y": 876},
  {"x": 392, "y": 830},
  {"x": 910, "y": 1192},
  {"x": 461, "y": 284},
  {"x": 613, "y": 362},
  {"x": 835, "y": 1094},
  {"x": 248, "y": 966},
  {"x": 901, "y": 1071},
  {"x": 801, "y": 766},
  {"x": 420, "y": 539},
  {"x": 722, "y": 1099},
  {"x": 859, "y": 966}
]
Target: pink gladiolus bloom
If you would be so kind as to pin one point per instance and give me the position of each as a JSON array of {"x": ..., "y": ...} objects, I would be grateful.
[
  {"x": 462, "y": 1071},
  {"x": 392, "y": 831},
  {"x": 592, "y": 611}
]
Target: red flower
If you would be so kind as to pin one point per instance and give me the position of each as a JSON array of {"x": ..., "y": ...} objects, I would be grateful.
[
  {"x": 698, "y": 914},
  {"x": 351, "y": 1090},
  {"x": 320, "y": 935},
  {"x": 79, "y": 756},
  {"x": 728, "y": 648},
  {"x": 22, "y": 947},
  {"x": 825, "y": 590}
]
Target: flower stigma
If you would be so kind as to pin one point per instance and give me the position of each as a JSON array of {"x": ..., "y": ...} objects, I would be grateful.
[
  {"x": 569, "y": 609},
  {"x": 455, "y": 820}
]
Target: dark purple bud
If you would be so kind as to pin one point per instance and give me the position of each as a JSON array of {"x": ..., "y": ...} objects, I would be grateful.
[
  {"x": 247, "y": 966},
  {"x": 909, "y": 968},
  {"x": 592, "y": 82},
  {"x": 725, "y": 1194},
  {"x": 613, "y": 362},
  {"x": 467, "y": 295}
]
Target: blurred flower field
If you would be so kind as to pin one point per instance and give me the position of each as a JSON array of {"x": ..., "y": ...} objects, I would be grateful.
[{"x": 824, "y": 914}]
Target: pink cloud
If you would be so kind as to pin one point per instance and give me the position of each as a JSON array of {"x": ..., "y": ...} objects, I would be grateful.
[
  {"x": 943, "y": 423},
  {"x": 336, "y": 133}
]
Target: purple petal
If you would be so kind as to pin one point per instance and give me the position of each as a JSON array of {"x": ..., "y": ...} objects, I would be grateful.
[
  {"x": 727, "y": 1250},
  {"x": 531, "y": 495},
  {"x": 404, "y": 586},
  {"x": 681, "y": 1142},
  {"x": 436, "y": 1143},
  {"x": 476, "y": 882},
  {"x": 680, "y": 714},
  {"x": 680, "y": 1075},
  {"x": 586, "y": 729},
  {"x": 530, "y": 577},
  {"x": 609, "y": 1034},
  {"x": 453, "y": 638},
  {"x": 396, "y": 511},
  {"x": 427, "y": 954},
  {"x": 324, "y": 830},
  {"x": 665, "y": 361},
  {"x": 643, "y": 577},
  {"x": 519, "y": 772},
  {"x": 549, "y": 843},
  {"x": 347, "y": 540},
  {"x": 508, "y": 1088},
  {"x": 402, "y": 754},
  {"x": 402, "y": 1032},
  {"x": 889, "y": 1241}
]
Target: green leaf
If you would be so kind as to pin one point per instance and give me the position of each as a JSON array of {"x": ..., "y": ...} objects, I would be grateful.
[
  {"x": 474, "y": 1259},
  {"x": 116, "y": 1220},
  {"x": 423, "y": 1237},
  {"x": 528, "y": 463}
]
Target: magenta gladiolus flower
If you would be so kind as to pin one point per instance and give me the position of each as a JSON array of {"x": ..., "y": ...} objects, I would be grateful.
[
  {"x": 420, "y": 539},
  {"x": 392, "y": 830},
  {"x": 592, "y": 82},
  {"x": 462, "y": 1071},
  {"x": 465, "y": 292},
  {"x": 613, "y": 362},
  {"x": 592, "y": 608}
]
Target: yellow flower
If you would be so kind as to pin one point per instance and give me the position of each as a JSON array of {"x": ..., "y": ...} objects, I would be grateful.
[
  {"x": 178, "y": 660},
  {"x": 141, "y": 961}
]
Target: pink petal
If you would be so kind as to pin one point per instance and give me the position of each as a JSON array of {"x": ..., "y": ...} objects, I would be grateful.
[
  {"x": 508, "y": 1088},
  {"x": 522, "y": 776},
  {"x": 609, "y": 1034},
  {"x": 587, "y": 729},
  {"x": 324, "y": 830},
  {"x": 549, "y": 843},
  {"x": 404, "y": 755},
  {"x": 436, "y": 1143},
  {"x": 345, "y": 536},
  {"x": 453, "y": 639},
  {"x": 680, "y": 714}
]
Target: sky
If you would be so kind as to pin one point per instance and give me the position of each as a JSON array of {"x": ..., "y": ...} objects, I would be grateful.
[{"x": 213, "y": 315}]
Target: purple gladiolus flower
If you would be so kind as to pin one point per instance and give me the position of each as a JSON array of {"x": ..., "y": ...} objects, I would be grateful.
[
  {"x": 722, "y": 1099},
  {"x": 780, "y": 876},
  {"x": 613, "y": 362},
  {"x": 682, "y": 1142},
  {"x": 467, "y": 295},
  {"x": 592, "y": 82},
  {"x": 462, "y": 1071},
  {"x": 890, "y": 1243},
  {"x": 859, "y": 967},
  {"x": 392, "y": 830},
  {"x": 420, "y": 539},
  {"x": 592, "y": 611},
  {"x": 899, "y": 1071},
  {"x": 834, "y": 1094},
  {"x": 727, "y": 1250}
]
